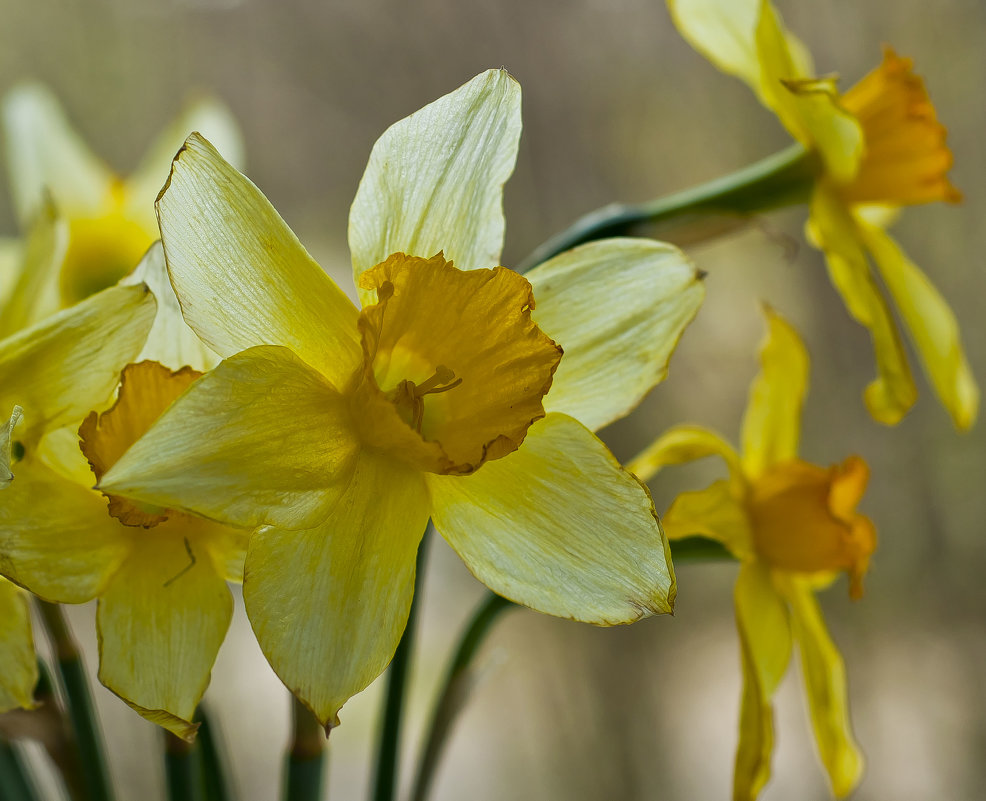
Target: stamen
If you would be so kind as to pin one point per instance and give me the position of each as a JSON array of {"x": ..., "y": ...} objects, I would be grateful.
[{"x": 409, "y": 395}]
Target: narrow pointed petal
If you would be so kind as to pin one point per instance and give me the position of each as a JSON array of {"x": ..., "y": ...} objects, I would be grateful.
[
  {"x": 932, "y": 327},
  {"x": 825, "y": 685},
  {"x": 241, "y": 275},
  {"x": 617, "y": 308},
  {"x": 44, "y": 153},
  {"x": 161, "y": 621},
  {"x": 560, "y": 527},
  {"x": 714, "y": 512},
  {"x": 68, "y": 364},
  {"x": 682, "y": 444},
  {"x": 434, "y": 181},
  {"x": 18, "y": 663},
  {"x": 831, "y": 228},
  {"x": 772, "y": 423},
  {"x": 170, "y": 341},
  {"x": 261, "y": 439},
  {"x": 751, "y": 769},
  {"x": 329, "y": 605}
]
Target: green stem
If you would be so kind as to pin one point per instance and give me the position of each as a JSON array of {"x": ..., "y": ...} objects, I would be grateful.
[
  {"x": 215, "y": 772},
  {"x": 78, "y": 700},
  {"x": 454, "y": 690},
  {"x": 699, "y": 549},
  {"x": 388, "y": 748},
  {"x": 183, "y": 769},
  {"x": 307, "y": 757},
  {"x": 15, "y": 778},
  {"x": 783, "y": 179}
]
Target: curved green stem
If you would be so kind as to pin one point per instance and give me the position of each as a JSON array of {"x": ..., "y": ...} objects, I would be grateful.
[
  {"x": 783, "y": 179},
  {"x": 388, "y": 748},
  {"x": 78, "y": 700},
  {"x": 307, "y": 757}
]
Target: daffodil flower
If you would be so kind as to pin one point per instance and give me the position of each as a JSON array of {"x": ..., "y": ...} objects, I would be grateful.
[
  {"x": 93, "y": 224},
  {"x": 880, "y": 146},
  {"x": 794, "y": 527},
  {"x": 340, "y": 431}
]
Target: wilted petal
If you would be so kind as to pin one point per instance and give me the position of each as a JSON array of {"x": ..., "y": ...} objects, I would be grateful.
[
  {"x": 714, "y": 512},
  {"x": 682, "y": 444}
]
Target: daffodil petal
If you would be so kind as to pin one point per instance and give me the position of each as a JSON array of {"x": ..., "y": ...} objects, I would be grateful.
[
  {"x": 714, "y": 512},
  {"x": 170, "y": 341},
  {"x": 161, "y": 621},
  {"x": 772, "y": 423},
  {"x": 751, "y": 769},
  {"x": 832, "y": 229},
  {"x": 932, "y": 327},
  {"x": 434, "y": 181},
  {"x": 241, "y": 275},
  {"x": 617, "y": 307},
  {"x": 44, "y": 153},
  {"x": 205, "y": 115},
  {"x": 681, "y": 444},
  {"x": 6, "y": 441},
  {"x": 825, "y": 685},
  {"x": 329, "y": 605},
  {"x": 560, "y": 527},
  {"x": 261, "y": 439},
  {"x": 56, "y": 537},
  {"x": 18, "y": 663},
  {"x": 68, "y": 364},
  {"x": 11, "y": 251}
]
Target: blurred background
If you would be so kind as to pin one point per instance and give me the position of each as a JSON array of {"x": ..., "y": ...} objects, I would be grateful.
[{"x": 616, "y": 107}]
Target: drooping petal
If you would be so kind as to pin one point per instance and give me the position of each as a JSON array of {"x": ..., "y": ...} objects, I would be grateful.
[
  {"x": 6, "y": 442},
  {"x": 162, "y": 619},
  {"x": 825, "y": 685},
  {"x": 69, "y": 363},
  {"x": 560, "y": 527},
  {"x": 44, "y": 153},
  {"x": 18, "y": 663},
  {"x": 170, "y": 341},
  {"x": 434, "y": 181},
  {"x": 241, "y": 275},
  {"x": 617, "y": 308},
  {"x": 261, "y": 439},
  {"x": 931, "y": 325},
  {"x": 772, "y": 423},
  {"x": 686, "y": 443},
  {"x": 832, "y": 229},
  {"x": 714, "y": 512},
  {"x": 764, "y": 627},
  {"x": 329, "y": 605}
]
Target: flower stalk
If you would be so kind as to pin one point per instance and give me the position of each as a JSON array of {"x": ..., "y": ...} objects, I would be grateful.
[{"x": 306, "y": 758}]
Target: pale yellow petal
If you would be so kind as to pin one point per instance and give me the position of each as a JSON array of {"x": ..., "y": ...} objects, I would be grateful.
[
  {"x": 241, "y": 275},
  {"x": 560, "y": 527},
  {"x": 685, "y": 443},
  {"x": 44, "y": 153},
  {"x": 69, "y": 363},
  {"x": 434, "y": 181},
  {"x": 18, "y": 663},
  {"x": 617, "y": 308},
  {"x": 751, "y": 769},
  {"x": 170, "y": 341},
  {"x": 261, "y": 439},
  {"x": 329, "y": 605},
  {"x": 772, "y": 423},
  {"x": 714, "y": 512},
  {"x": 11, "y": 253},
  {"x": 161, "y": 621},
  {"x": 825, "y": 686},
  {"x": 931, "y": 325},
  {"x": 6, "y": 441},
  {"x": 832, "y": 229}
]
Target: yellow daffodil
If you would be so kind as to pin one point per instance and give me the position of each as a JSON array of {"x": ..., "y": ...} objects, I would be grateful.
[
  {"x": 93, "y": 225},
  {"x": 341, "y": 431},
  {"x": 794, "y": 527},
  {"x": 880, "y": 146}
]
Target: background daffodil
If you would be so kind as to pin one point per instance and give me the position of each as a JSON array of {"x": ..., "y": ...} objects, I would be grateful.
[
  {"x": 343, "y": 430},
  {"x": 879, "y": 147},
  {"x": 793, "y": 526}
]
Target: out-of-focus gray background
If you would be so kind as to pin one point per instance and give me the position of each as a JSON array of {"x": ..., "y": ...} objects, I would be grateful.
[{"x": 616, "y": 107}]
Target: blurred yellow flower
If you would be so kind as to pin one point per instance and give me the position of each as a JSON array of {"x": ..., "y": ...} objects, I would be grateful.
[
  {"x": 879, "y": 146},
  {"x": 793, "y": 526},
  {"x": 341, "y": 430}
]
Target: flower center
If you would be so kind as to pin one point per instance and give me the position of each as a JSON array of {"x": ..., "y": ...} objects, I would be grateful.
[{"x": 408, "y": 397}]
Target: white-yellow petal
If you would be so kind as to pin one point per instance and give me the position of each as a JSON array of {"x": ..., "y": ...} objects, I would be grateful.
[
  {"x": 18, "y": 663},
  {"x": 617, "y": 308},
  {"x": 261, "y": 439},
  {"x": 434, "y": 181},
  {"x": 560, "y": 527},
  {"x": 241, "y": 275},
  {"x": 329, "y": 605}
]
